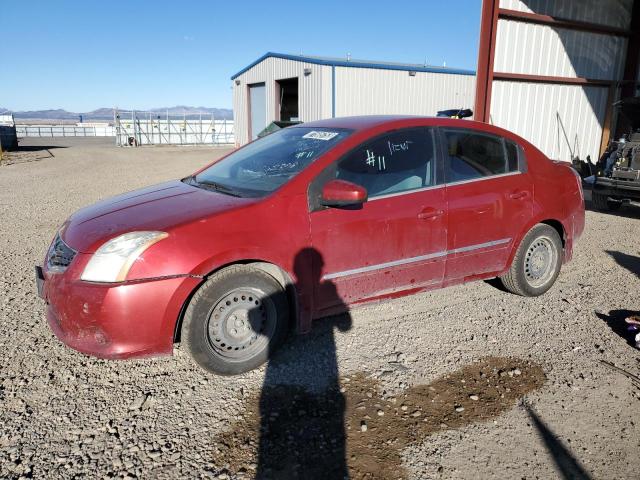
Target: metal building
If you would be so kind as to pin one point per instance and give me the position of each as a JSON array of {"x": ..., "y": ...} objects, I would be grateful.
[
  {"x": 551, "y": 70},
  {"x": 291, "y": 87}
]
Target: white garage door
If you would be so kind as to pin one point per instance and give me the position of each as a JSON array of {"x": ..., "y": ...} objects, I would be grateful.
[{"x": 258, "y": 109}]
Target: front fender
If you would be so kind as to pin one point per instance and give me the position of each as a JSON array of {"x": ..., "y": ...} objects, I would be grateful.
[{"x": 299, "y": 290}]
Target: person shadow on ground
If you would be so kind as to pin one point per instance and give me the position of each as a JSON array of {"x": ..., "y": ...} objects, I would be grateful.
[
  {"x": 616, "y": 320},
  {"x": 624, "y": 322},
  {"x": 302, "y": 432}
]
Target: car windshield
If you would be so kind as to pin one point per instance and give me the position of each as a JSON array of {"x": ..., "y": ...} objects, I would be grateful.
[{"x": 268, "y": 163}]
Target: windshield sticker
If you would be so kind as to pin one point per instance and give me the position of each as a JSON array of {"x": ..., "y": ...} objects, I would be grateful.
[{"x": 320, "y": 135}]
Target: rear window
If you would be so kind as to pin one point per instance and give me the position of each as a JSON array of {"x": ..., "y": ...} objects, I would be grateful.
[{"x": 472, "y": 155}]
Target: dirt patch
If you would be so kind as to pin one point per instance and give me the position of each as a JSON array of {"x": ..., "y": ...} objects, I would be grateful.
[{"x": 354, "y": 430}]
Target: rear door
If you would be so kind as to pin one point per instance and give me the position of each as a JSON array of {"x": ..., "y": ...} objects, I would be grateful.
[
  {"x": 394, "y": 241},
  {"x": 490, "y": 200}
]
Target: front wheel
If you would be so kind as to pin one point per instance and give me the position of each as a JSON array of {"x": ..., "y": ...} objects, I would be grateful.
[
  {"x": 235, "y": 320},
  {"x": 536, "y": 264}
]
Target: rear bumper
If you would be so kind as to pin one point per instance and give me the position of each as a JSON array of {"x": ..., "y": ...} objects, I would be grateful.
[
  {"x": 128, "y": 320},
  {"x": 620, "y": 189}
]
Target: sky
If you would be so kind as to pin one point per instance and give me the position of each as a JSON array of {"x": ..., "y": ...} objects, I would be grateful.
[{"x": 84, "y": 55}]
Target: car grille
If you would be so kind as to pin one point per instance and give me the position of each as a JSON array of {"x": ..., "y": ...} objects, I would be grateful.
[{"x": 60, "y": 255}]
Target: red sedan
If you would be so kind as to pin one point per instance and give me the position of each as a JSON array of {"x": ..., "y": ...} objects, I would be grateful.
[{"x": 302, "y": 224}]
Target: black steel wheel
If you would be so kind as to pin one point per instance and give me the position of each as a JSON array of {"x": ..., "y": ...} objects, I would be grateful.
[
  {"x": 241, "y": 323},
  {"x": 540, "y": 261},
  {"x": 235, "y": 320},
  {"x": 536, "y": 264}
]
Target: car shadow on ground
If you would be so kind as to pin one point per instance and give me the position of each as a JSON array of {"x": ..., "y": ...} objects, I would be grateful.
[
  {"x": 497, "y": 284},
  {"x": 567, "y": 465}
]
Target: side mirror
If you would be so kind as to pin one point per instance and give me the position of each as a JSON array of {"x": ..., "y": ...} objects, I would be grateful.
[{"x": 340, "y": 193}]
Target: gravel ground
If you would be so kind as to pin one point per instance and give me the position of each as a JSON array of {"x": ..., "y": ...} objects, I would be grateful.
[{"x": 547, "y": 405}]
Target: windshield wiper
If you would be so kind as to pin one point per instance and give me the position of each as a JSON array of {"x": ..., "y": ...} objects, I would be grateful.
[{"x": 209, "y": 185}]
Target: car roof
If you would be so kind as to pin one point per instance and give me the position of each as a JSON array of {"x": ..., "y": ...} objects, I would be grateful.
[
  {"x": 361, "y": 122},
  {"x": 365, "y": 122}
]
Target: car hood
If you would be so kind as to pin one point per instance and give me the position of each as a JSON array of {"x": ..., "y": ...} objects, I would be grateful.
[{"x": 159, "y": 207}]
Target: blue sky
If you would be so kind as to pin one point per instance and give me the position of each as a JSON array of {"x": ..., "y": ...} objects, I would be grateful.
[{"x": 83, "y": 55}]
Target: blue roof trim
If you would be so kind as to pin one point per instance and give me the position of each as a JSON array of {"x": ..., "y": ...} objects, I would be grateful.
[{"x": 335, "y": 62}]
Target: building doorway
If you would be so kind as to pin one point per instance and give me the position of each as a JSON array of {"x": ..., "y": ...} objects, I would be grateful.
[{"x": 287, "y": 101}]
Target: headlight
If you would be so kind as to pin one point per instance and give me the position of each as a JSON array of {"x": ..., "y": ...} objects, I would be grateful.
[{"x": 112, "y": 261}]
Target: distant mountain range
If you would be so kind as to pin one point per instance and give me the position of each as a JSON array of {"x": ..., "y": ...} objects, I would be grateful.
[{"x": 105, "y": 114}]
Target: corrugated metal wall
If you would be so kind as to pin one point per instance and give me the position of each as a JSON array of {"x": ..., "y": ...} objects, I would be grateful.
[
  {"x": 612, "y": 13},
  {"x": 313, "y": 104},
  {"x": 562, "y": 120},
  {"x": 558, "y": 52},
  {"x": 358, "y": 91},
  {"x": 367, "y": 91}
]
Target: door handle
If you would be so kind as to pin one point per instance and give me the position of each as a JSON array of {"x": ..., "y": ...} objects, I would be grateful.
[
  {"x": 519, "y": 195},
  {"x": 429, "y": 213}
]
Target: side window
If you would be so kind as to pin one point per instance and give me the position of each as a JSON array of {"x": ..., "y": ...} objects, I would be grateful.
[
  {"x": 399, "y": 161},
  {"x": 471, "y": 155},
  {"x": 515, "y": 157}
]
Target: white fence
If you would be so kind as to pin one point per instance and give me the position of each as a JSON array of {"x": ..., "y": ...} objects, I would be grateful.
[
  {"x": 132, "y": 128},
  {"x": 65, "y": 131},
  {"x": 173, "y": 131}
]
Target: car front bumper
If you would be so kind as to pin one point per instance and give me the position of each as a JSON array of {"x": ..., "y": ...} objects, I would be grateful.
[{"x": 115, "y": 321}]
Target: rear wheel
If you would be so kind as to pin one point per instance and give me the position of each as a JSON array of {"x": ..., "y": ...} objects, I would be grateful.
[
  {"x": 235, "y": 320},
  {"x": 602, "y": 202},
  {"x": 537, "y": 262}
]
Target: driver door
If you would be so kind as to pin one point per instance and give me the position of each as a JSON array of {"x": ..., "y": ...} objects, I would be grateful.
[{"x": 396, "y": 240}]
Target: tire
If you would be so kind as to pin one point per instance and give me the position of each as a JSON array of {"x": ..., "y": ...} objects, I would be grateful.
[
  {"x": 235, "y": 320},
  {"x": 536, "y": 264},
  {"x": 602, "y": 203}
]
